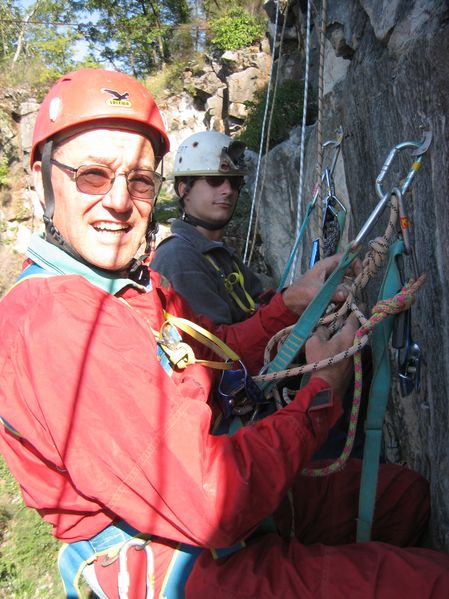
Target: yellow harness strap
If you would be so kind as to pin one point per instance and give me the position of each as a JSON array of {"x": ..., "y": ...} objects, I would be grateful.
[
  {"x": 181, "y": 354},
  {"x": 230, "y": 281}
]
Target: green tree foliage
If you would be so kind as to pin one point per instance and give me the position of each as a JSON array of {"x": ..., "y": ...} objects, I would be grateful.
[
  {"x": 214, "y": 9},
  {"x": 9, "y": 27},
  {"x": 285, "y": 114},
  {"x": 131, "y": 35},
  {"x": 236, "y": 29},
  {"x": 27, "y": 550},
  {"x": 37, "y": 42}
]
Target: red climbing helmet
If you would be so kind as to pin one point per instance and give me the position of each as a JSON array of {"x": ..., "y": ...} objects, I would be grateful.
[{"x": 92, "y": 95}]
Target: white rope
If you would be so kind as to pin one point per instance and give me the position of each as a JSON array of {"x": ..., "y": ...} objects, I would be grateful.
[
  {"x": 267, "y": 137},
  {"x": 303, "y": 136},
  {"x": 262, "y": 136},
  {"x": 319, "y": 125}
]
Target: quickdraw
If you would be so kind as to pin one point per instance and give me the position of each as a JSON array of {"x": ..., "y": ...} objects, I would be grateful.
[
  {"x": 327, "y": 176},
  {"x": 333, "y": 223}
]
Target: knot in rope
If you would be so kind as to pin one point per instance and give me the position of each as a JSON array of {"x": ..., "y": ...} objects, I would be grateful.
[{"x": 398, "y": 303}]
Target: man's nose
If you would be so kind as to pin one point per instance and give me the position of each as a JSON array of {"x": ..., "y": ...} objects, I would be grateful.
[
  {"x": 118, "y": 197},
  {"x": 226, "y": 187}
]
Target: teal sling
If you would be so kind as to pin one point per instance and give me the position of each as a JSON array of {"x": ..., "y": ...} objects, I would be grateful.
[
  {"x": 378, "y": 398},
  {"x": 302, "y": 330}
]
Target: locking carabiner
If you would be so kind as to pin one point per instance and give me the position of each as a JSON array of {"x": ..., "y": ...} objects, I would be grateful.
[{"x": 384, "y": 197}]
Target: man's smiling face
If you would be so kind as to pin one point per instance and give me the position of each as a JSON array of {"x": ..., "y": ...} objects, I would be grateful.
[{"x": 105, "y": 229}]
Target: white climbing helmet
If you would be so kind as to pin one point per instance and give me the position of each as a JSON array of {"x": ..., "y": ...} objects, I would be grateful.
[{"x": 210, "y": 153}]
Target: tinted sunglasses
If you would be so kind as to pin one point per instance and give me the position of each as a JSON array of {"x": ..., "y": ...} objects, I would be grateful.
[
  {"x": 236, "y": 183},
  {"x": 98, "y": 179}
]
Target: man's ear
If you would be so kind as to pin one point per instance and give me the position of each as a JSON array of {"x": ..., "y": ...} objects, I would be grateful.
[
  {"x": 37, "y": 180},
  {"x": 182, "y": 186}
]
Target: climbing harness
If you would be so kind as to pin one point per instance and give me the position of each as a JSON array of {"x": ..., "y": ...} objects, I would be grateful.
[
  {"x": 123, "y": 579},
  {"x": 238, "y": 394},
  {"x": 232, "y": 281}
]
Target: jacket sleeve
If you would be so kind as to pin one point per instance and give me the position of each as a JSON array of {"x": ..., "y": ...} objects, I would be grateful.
[{"x": 134, "y": 440}]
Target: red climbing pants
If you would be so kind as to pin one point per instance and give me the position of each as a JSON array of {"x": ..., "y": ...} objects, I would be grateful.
[{"x": 322, "y": 561}]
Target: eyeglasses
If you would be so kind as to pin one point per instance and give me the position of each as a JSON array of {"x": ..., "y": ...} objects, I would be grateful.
[
  {"x": 236, "y": 183},
  {"x": 98, "y": 179}
]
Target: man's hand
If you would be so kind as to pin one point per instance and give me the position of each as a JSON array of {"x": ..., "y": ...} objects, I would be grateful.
[
  {"x": 300, "y": 293},
  {"x": 320, "y": 346}
]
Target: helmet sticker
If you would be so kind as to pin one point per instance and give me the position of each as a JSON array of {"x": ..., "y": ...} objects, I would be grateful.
[
  {"x": 118, "y": 98},
  {"x": 54, "y": 109}
]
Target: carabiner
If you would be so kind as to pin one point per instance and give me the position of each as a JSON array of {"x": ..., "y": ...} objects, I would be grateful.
[
  {"x": 409, "y": 367},
  {"x": 420, "y": 148},
  {"x": 333, "y": 224},
  {"x": 328, "y": 173}
]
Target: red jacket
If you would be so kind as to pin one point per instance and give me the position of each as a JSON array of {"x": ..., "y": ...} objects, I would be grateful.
[{"x": 107, "y": 433}]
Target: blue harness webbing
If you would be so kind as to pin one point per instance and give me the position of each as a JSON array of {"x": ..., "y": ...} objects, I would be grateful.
[
  {"x": 33, "y": 270},
  {"x": 73, "y": 557},
  {"x": 378, "y": 398}
]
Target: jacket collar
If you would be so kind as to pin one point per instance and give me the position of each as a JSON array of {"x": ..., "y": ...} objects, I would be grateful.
[{"x": 56, "y": 261}]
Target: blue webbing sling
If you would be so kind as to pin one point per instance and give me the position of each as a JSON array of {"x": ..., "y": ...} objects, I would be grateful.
[
  {"x": 378, "y": 398},
  {"x": 381, "y": 378}
]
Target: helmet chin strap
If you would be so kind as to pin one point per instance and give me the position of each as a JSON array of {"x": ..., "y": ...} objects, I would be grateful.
[
  {"x": 52, "y": 234},
  {"x": 197, "y": 222}
]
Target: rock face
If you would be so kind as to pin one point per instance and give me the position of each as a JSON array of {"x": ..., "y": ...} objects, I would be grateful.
[
  {"x": 386, "y": 82},
  {"x": 216, "y": 94}
]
